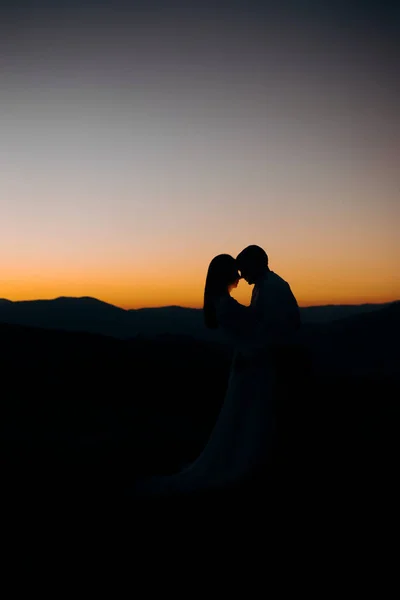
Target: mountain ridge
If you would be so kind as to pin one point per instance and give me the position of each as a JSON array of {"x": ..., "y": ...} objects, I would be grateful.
[
  {"x": 88, "y": 314},
  {"x": 178, "y": 306}
]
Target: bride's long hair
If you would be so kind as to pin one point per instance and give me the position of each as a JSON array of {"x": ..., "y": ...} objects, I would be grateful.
[{"x": 222, "y": 272}]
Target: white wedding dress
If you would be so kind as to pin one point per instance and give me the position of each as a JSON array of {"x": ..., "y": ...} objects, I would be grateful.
[{"x": 243, "y": 433}]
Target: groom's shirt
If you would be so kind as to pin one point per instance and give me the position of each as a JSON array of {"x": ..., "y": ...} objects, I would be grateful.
[{"x": 275, "y": 309}]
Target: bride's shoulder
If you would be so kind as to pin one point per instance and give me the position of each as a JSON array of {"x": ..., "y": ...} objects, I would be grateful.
[
  {"x": 227, "y": 300},
  {"x": 229, "y": 305},
  {"x": 235, "y": 318}
]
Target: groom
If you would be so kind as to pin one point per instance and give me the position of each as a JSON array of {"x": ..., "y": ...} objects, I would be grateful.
[
  {"x": 278, "y": 322},
  {"x": 272, "y": 300}
]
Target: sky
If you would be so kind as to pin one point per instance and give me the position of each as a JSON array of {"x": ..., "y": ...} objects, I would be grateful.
[{"x": 140, "y": 139}]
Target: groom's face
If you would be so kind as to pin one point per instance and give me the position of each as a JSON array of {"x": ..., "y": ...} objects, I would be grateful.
[{"x": 249, "y": 271}]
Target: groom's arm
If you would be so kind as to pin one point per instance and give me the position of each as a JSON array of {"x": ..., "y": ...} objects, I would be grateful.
[
  {"x": 276, "y": 311},
  {"x": 293, "y": 311}
]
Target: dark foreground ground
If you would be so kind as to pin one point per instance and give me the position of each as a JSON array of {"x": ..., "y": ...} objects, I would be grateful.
[{"x": 82, "y": 416}]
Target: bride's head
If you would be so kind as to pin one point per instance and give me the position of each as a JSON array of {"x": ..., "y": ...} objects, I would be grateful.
[{"x": 222, "y": 277}]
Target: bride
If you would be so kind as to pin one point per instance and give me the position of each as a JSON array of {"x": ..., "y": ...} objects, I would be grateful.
[{"x": 243, "y": 434}]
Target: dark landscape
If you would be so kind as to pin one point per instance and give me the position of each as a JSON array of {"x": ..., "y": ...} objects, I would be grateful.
[{"x": 84, "y": 413}]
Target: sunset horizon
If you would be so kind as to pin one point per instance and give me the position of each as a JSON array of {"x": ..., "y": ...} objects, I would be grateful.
[
  {"x": 139, "y": 141},
  {"x": 244, "y": 298}
]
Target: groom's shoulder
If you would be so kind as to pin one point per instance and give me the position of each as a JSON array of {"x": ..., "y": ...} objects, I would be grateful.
[{"x": 276, "y": 279}]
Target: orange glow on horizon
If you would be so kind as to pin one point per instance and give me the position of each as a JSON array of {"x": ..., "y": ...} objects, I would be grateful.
[
  {"x": 184, "y": 287},
  {"x": 164, "y": 270}
]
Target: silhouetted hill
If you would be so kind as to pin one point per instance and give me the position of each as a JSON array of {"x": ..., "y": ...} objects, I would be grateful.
[
  {"x": 361, "y": 342},
  {"x": 74, "y": 314},
  {"x": 333, "y": 312},
  {"x": 95, "y": 316},
  {"x": 92, "y": 315}
]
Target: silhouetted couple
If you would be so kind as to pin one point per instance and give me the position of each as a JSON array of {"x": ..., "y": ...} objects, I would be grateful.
[{"x": 262, "y": 335}]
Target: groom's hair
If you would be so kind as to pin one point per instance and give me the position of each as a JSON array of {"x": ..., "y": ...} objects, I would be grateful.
[{"x": 253, "y": 253}]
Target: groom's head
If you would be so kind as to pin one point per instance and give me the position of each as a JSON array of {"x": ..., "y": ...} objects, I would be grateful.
[{"x": 252, "y": 263}]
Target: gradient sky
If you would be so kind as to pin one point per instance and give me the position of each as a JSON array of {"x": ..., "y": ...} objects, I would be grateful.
[{"x": 136, "y": 144}]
